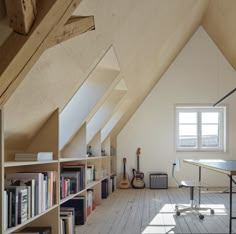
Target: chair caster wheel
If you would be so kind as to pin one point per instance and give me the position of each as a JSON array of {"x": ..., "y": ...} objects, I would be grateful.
[
  {"x": 177, "y": 213},
  {"x": 201, "y": 216},
  {"x": 212, "y": 211}
]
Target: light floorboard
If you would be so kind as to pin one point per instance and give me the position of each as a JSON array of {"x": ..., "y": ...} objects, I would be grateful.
[{"x": 145, "y": 211}]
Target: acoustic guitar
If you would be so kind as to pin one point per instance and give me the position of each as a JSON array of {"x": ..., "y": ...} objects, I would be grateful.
[
  {"x": 124, "y": 179},
  {"x": 138, "y": 176}
]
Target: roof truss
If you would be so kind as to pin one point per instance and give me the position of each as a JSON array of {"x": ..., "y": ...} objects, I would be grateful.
[{"x": 53, "y": 25}]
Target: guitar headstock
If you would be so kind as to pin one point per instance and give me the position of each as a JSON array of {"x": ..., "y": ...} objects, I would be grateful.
[
  {"x": 124, "y": 160},
  {"x": 138, "y": 152}
]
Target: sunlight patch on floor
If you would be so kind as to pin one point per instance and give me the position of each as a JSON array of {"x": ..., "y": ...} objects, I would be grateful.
[
  {"x": 165, "y": 220},
  {"x": 158, "y": 229}
]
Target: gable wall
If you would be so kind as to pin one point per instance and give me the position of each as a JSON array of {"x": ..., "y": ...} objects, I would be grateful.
[{"x": 199, "y": 75}]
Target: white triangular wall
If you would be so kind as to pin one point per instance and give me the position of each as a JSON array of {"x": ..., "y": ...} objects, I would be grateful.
[{"x": 199, "y": 75}]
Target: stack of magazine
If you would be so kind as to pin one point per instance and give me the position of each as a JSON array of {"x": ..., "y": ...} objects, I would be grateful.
[{"x": 36, "y": 156}]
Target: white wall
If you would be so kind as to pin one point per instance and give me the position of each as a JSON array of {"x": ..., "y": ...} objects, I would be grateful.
[{"x": 199, "y": 75}]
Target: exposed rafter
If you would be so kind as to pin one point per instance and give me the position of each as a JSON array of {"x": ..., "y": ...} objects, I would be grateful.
[
  {"x": 75, "y": 26},
  {"x": 20, "y": 52}
]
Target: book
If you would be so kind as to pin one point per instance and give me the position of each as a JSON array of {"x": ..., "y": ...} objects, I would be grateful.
[
  {"x": 62, "y": 226},
  {"x": 9, "y": 205},
  {"x": 90, "y": 173},
  {"x": 79, "y": 204},
  {"x": 90, "y": 201},
  {"x": 22, "y": 204},
  {"x": 13, "y": 205},
  {"x": 104, "y": 189},
  {"x": 68, "y": 222},
  {"x": 5, "y": 210},
  {"x": 38, "y": 156},
  {"x": 19, "y": 206},
  {"x": 30, "y": 183},
  {"x": 39, "y": 178},
  {"x": 74, "y": 178},
  {"x": 71, "y": 210},
  {"x": 76, "y": 168}
]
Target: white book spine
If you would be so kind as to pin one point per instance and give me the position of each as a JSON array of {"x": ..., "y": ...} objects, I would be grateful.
[
  {"x": 33, "y": 198},
  {"x": 24, "y": 205},
  {"x": 41, "y": 193},
  {"x": 5, "y": 211},
  {"x": 29, "y": 214}
]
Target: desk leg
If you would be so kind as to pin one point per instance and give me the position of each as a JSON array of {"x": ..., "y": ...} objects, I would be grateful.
[
  {"x": 230, "y": 204},
  {"x": 199, "y": 179}
]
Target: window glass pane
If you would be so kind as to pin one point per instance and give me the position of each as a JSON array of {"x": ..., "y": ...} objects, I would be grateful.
[
  {"x": 210, "y": 117},
  {"x": 188, "y": 141},
  {"x": 210, "y": 137},
  {"x": 188, "y": 130},
  {"x": 210, "y": 141},
  {"x": 187, "y": 117},
  {"x": 209, "y": 130}
]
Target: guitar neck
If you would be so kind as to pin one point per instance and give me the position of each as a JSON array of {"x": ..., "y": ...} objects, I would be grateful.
[
  {"x": 124, "y": 172},
  {"x": 138, "y": 163}
]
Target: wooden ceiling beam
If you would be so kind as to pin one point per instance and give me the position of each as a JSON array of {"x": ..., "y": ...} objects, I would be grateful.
[
  {"x": 75, "y": 26},
  {"x": 19, "y": 53}
]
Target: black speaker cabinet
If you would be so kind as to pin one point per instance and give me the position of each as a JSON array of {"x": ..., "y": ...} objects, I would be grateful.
[{"x": 158, "y": 180}]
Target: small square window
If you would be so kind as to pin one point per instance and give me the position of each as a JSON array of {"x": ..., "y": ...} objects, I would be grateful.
[{"x": 200, "y": 128}]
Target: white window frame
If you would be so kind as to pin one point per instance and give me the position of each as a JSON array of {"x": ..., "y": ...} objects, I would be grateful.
[{"x": 199, "y": 110}]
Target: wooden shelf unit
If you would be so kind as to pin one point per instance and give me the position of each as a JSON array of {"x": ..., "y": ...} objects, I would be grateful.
[{"x": 47, "y": 139}]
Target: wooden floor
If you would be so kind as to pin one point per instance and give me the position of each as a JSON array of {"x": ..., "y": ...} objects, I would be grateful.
[{"x": 152, "y": 211}]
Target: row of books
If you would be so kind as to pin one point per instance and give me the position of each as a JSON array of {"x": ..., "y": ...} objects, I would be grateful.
[
  {"x": 78, "y": 203},
  {"x": 112, "y": 183},
  {"x": 104, "y": 189},
  {"x": 74, "y": 212},
  {"x": 90, "y": 173},
  {"x": 103, "y": 173},
  {"x": 91, "y": 205},
  {"x": 67, "y": 220},
  {"x": 35, "y": 230},
  {"x": 27, "y": 194},
  {"x": 72, "y": 179},
  {"x": 69, "y": 183}
]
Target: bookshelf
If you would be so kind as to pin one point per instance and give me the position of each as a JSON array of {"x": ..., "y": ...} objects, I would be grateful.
[
  {"x": 74, "y": 152},
  {"x": 1, "y": 171}
]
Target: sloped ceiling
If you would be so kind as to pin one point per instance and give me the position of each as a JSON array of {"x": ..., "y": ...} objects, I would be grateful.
[
  {"x": 146, "y": 36},
  {"x": 219, "y": 23}
]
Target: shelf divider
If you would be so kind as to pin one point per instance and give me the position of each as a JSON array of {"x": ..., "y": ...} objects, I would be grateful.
[
  {"x": 1, "y": 172},
  {"x": 47, "y": 137}
]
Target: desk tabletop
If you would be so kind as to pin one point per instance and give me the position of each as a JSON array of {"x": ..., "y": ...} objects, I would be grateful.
[{"x": 224, "y": 166}]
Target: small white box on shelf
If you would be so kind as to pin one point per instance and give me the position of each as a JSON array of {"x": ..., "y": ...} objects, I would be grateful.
[{"x": 37, "y": 156}]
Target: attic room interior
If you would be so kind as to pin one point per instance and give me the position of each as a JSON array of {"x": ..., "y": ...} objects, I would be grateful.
[{"x": 107, "y": 116}]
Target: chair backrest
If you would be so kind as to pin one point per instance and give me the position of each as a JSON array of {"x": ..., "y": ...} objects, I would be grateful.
[{"x": 175, "y": 167}]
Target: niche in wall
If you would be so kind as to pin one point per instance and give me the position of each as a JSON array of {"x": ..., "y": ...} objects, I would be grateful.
[
  {"x": 100, "y": 118},
  {"x": 88, "y": 95}
]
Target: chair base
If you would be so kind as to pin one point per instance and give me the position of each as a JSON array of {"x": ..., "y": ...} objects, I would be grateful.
[{"x": 193, "y": 209}]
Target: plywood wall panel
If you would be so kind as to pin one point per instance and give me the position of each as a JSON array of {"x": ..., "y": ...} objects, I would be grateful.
[{"x": 140, "y": 37}]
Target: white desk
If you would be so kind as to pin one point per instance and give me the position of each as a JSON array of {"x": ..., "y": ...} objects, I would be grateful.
[{"x": 227, "y": 167}]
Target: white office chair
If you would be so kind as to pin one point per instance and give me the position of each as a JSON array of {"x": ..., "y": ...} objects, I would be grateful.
[{"x": 191, "y": 185}]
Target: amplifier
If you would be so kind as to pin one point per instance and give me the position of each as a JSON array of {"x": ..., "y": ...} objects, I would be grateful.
[{"x": 158, "y": 180}]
